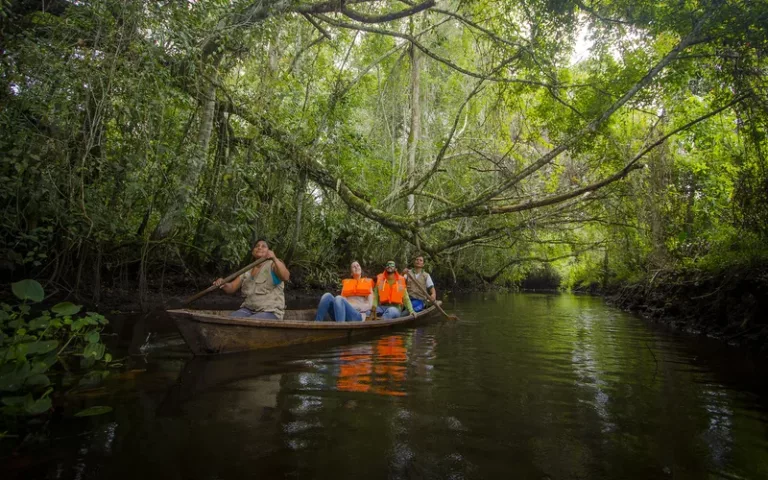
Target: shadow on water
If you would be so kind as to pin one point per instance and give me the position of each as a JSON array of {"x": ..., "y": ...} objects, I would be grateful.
[{"x": 530, "y": 386}]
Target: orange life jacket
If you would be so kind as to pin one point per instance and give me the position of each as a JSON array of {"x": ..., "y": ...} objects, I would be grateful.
[
  {"x": 390, "y": 293},
  {"x": 361, "y": 287}
]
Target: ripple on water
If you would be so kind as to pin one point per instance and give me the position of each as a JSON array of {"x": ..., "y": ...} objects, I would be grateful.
[{"x": 523, "y": 386}]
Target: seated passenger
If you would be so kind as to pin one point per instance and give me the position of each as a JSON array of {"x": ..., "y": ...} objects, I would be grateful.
[
  {"x": 390, "y": 294},
  {"x": 262, "y": 286},
  {"x": 354, "y": 303},
  {"x": 418, "y": 300}
]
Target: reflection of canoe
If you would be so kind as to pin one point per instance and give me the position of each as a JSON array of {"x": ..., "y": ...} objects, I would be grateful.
[
  {"x": 219, "y": 373},
  {"x": 214, "y": 331}
]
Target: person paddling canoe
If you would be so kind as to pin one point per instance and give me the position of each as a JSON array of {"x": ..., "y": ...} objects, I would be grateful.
[
  {"x": 263, "y": 286},
  {"x": 418, "y": 299}
]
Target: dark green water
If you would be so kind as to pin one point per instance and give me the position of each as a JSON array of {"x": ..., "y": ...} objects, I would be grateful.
[{"x": 523, "y": 386}]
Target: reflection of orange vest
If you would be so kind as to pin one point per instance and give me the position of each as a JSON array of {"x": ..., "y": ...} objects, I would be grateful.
[
  {"x": 390, "y": 293},
  {"x": 356, "y": 288}
]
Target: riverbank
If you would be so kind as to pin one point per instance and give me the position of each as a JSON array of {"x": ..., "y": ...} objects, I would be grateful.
[{"x": 731, "y": 304}]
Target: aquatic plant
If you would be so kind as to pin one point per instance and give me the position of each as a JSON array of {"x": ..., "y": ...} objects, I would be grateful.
[{"x": 33, "y": 347}]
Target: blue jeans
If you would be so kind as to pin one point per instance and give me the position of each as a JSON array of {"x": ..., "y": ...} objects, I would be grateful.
[
  {"x": 418, "y": 305},
  {"x": 342, "y": 310},
  {"x": 248, "y": 313},
  {"x": 387, "y": 312}
]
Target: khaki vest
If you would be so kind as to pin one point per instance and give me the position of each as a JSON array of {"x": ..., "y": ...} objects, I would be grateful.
[
  {"x": 414, "y": 292},
  {"x": 261, "y": 294}
]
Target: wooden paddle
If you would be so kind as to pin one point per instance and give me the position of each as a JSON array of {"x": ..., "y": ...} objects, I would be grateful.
[
  {"x": 426, "y": 295},
  {"x": 226, "y": 280}
]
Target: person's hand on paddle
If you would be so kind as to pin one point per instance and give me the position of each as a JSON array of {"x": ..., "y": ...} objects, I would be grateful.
[{"x": 219, "y": 282}]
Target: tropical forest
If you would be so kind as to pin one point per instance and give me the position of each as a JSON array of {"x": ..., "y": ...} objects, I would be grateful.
[{"x": 607, "y": 148}]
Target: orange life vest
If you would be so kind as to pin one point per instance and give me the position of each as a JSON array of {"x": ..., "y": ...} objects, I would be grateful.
[
  {"x": 361, "y": 287},
  {"x": 390, "y": 293}
]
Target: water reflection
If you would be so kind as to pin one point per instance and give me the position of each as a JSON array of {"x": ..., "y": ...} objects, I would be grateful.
[{"x": 529, "y": 386}]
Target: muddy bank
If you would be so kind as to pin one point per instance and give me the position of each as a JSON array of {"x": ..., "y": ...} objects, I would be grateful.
[{"x": 731, "y": 305}]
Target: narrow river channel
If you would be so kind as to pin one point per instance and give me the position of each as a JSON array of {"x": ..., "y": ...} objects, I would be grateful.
[{"x": 527, "y": 386}]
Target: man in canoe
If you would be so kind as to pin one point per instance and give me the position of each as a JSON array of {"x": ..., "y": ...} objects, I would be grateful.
[
  {"x": 391, "y": 294},
  {"x": 263, "y": 286},
  {"x": 418, "y": 300},
  {"x": 355, "y": 301}
]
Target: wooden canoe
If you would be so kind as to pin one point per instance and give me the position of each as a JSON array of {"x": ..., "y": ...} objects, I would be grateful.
[{"x": 210, "y": 332}]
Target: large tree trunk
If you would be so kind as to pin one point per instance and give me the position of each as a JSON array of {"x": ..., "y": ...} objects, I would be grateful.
[
  {"x": 300, "y": 189},
  {"x": 660, "y": 172},
  {"x": 197, "y": 161},
  {"x": 210, "y": 207},
  {"x": 414, "y": 134}
]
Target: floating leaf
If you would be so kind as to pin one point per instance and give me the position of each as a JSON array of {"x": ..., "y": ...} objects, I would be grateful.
[
  {"x": 13, "y": 380},
  {"x": 94, "y": 350},
  {"x": 42, "y": 365},
  {"x": 65, "y": 308},
  {"x": 78, "y": 324},
  {"x": 93, "y": 337},
  {"x": 38, "y": 406},
  {"x": 16, "y": 401},
  {"x": 92, "y": 378},
  {"x": 16, "y": 323},
  {"x": 28, "y": 290},
  {"x": 38, "y": 348},
  {"x": 38, "y": 380},
  {"x": 93, "y": 411},
  {"x": 39, "y": 323}
]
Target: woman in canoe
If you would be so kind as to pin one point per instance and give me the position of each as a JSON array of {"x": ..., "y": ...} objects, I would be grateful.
[
  {"x": 263, "y": 286},
  {"x": 355, "y": 301}
]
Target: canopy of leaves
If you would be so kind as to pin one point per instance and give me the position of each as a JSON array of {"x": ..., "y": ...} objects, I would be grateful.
[{"x": 608, "y": 137}]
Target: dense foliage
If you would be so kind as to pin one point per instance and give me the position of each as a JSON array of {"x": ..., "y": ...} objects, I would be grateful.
[
  {"x": 52, "y": 348},
  {"x": 607, "y": 138}
]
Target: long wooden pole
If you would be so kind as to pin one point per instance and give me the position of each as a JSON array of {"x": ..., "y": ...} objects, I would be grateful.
[
  {"x": 426, "y": 295},
  {"x": 226, "y": 280}
]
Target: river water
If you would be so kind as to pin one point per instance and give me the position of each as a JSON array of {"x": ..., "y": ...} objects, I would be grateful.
[{"x": 527, "y": 386}]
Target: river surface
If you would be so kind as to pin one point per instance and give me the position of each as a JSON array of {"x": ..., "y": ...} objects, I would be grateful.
[{"x": 527, "y": 386}]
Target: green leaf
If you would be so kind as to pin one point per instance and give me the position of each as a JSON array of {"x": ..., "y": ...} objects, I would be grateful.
[
  {"x": 28, "y": 290},
  {"x": 13, "y": 380},
  {"x": 38, "y": 406},
  {"x": 93, "y": 411},
  {"x": 41, "y": 347},
  {"x": 98, "y": 317},
  {"x": 16, "y": 401},
  {"x": 16, "y": 323},
  {"x": 39, "y": 323},
  {"x": 41, "y": 365},
  {"x": 38, "y": 380},
  {"x": 108, "y": 357},
  {"x": 94, "y": 350},
  {"x": 92, "y": 378},
  {"x": 65, "y": 309},
  {"x": 93, "y": 337}
]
